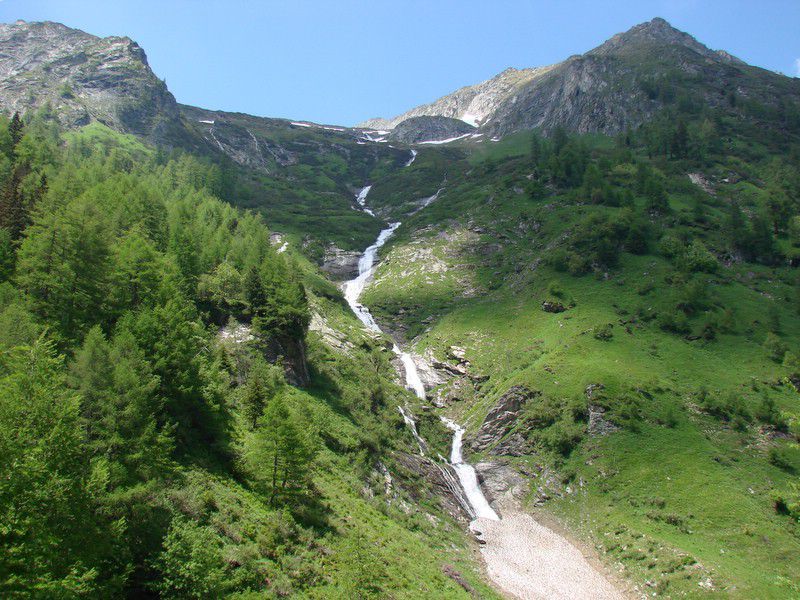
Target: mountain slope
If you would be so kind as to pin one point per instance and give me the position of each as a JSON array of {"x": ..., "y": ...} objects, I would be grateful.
[
  {"x": 472, "y": 104},
  {"x": 617, "y": 85}
]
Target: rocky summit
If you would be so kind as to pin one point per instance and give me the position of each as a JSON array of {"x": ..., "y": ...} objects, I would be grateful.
[
  {"x": 617, "y": 85},
  {"x": 83, "y": 78}
]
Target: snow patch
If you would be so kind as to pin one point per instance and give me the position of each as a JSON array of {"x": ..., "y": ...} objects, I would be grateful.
[
  {"x": 470, "y": 119},
  {"x": 447, "y": 141}
]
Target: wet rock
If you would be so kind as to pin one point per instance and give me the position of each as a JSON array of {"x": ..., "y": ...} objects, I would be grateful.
[
  {"x": 502, "y": 417},
  {"x": 443, "y": 482},
  {"x": 430, "y": 376},
  {"x": 340, "y": 264}
]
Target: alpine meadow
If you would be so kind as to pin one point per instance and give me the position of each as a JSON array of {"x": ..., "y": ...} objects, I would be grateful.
[{"x": 536, "y": 339}]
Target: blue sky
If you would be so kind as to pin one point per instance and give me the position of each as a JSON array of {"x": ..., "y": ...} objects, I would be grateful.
[{"x": 346, "y": 60}]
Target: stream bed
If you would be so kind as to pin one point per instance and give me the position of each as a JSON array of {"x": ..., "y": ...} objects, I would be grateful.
[{"x": 353, "y": 289}]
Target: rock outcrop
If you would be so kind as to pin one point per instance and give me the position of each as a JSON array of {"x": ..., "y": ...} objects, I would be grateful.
[
  {"x": 598, "y": 424},
  {"x": 608, "y": 89},
  {"x": 427, "y": 129},
  {"x": 84, "y": 78},
  {"x": 472, "y": 104},
  {"x": 502, "y": 418},
  {"x": 340, "y": 264}
]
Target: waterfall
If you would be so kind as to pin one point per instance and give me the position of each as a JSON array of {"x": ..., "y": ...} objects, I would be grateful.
[
  {"x": 467, "y": 475},
  {"x": 467, "y": 492}
]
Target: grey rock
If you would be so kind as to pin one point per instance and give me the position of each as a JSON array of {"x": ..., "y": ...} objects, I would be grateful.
[
  {"x": 598, "y": 424},
  {"x": 421, "y": 129},
  {"x": 478, "y": 101},
  {"x": 498, "y": 479},
  {"x": 84, "y": 78},
  {"x": 340, "y": 264},
  {"x": 604, "y": 90},
  {"x": 502, "y": 418}
]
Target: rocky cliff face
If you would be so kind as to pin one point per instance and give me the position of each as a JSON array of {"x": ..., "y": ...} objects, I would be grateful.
[
  {"x": 84, "y": 78},
  {"x": 619, "y": 84}
]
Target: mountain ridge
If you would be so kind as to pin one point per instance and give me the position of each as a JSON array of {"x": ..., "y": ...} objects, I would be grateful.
[{"x": 601, "y": 90}]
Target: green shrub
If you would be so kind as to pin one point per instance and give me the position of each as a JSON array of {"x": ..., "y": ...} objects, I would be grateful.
[
  {"x": 674, "y": 321},
  {"x": 697, "y": 258},
  {"x": 729, "y": 407},
  {"x": 785, "y": 457},
  {"x": 775, "y": 347},
  {"x": 604, "y": 332},
  {"x": 767, "y": 412},
  {"x": 787, "y": 502},
  {"x": 554, "y": 289}
]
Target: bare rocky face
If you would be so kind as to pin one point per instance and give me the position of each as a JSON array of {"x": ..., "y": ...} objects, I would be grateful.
[{"x": 83, "y": 78}]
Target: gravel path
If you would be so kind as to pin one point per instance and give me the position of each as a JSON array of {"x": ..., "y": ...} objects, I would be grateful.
[{"x": 531, "y": 562}]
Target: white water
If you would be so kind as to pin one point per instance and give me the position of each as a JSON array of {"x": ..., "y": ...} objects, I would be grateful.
[
  {"x": 413, "y": 157},
  {"x": 352, "y": 292},
  {"x": 467, "y": 476},
  {"x": 361, "y": 198},
  {"x": 412, "y": 425}
]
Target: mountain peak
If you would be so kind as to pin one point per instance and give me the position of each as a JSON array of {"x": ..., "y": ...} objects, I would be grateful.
[{"x": 657, "y": 31}]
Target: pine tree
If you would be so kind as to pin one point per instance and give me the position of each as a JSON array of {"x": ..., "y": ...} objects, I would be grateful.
[
  {"x": 16, "y": 129},
  {"x": 257, "y": 392},
  {"x": 280, "y": 454},
  {"x": 56, "y": 540}
]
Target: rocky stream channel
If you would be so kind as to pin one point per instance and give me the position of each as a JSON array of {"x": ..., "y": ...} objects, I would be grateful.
[
  {"x": 469, "y": 495},
  {"x": 524, "y": 558}
]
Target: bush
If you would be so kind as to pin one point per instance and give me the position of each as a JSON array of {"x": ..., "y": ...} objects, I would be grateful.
[
  {"x": 787, "y": 502},
  {"x": 671, "y": 247},
  {"x": 627, "y": 412},
  {"x": 786, "y": 458},
  {"x": 604, "y": 332},
  {"x": 698, "y": 259},
  {"x": 775, "y": 347},
  {"x": 768, "y": 413},
  {"x": 554, "y": 289},
  {"x": 729, "y": 407},
  {"x": 694, "y": 296},
  {"x": 673, "y": 321}
]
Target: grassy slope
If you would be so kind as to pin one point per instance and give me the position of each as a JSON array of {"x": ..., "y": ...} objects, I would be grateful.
[{"x": 656, "y": 500}]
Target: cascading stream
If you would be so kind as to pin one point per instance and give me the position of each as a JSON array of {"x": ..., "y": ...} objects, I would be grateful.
[{"x": 478, "y": 507}]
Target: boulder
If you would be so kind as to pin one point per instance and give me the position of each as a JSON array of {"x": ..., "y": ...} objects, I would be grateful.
[
  {"x": 553, "y": 307},
  {"x": 598, "y": 424}
]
